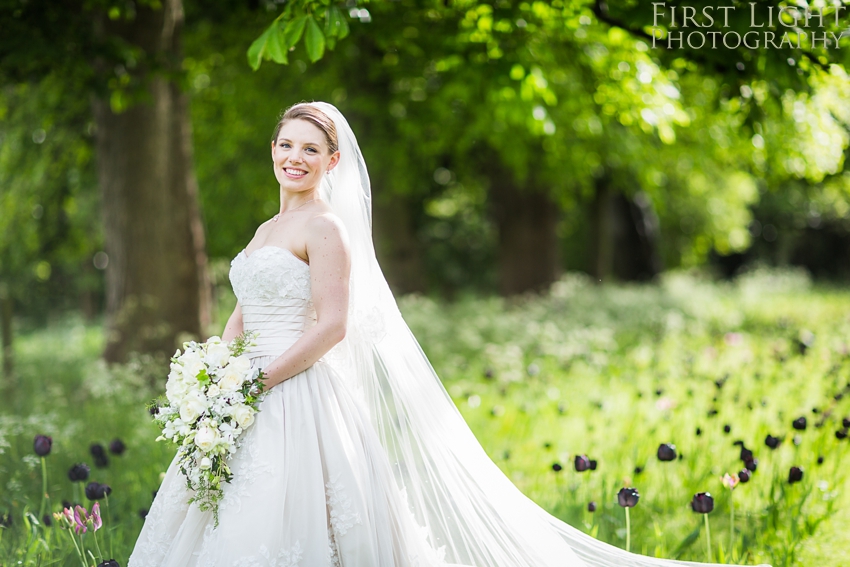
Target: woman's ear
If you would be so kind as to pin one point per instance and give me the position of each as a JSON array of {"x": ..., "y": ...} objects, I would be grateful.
[{"x": 334, "y": 161}]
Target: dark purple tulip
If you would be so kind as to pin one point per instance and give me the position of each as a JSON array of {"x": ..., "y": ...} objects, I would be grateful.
[
  {"x": 799, "y": 423},
  {"x": 628, "y": 497},
  {"x": 751, "y": 464},
  {"x": 143, "y": 513},
  {"x": 746, "y": 454},
  {"x": 42, "y": 445},
  {"x": 820, "y": 459},
  {"x": 96, "y": 490},
  {"x": 795, "y": 475},
  {"x": 702, "y": 503},
  {"x": 97, "y": 450},
  {"x": 557, "y": 467},
  {"x": 109, "y": 563},
  {"x": 79, "y": 472},
  {"x": 771, "y": 441},
  {"x": 47, "y": 520},
  {"x": 581, "y": 463},
  {"x": 845, "y": 422},
  {"x": 698, "y": 431},
  {"x": 638, "y": 470},
  {"x": 591, "y": 506},
  {"x": 727, "y": 428},
  {"x": 593, "y": 464},
  {"x": 666, "y": 452},
  {"x": 841, "y": 434}
]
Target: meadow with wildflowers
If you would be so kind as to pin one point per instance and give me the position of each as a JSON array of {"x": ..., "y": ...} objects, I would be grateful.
[{"x": 712, "y": 417}]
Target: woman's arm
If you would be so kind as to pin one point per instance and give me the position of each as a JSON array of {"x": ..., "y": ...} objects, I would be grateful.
[
  {"x": 233, "y": 328},
  {"x": 330, "y": 266}
]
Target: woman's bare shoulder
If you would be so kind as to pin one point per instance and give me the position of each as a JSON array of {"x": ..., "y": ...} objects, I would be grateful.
[{"x": 326, "y": 229}]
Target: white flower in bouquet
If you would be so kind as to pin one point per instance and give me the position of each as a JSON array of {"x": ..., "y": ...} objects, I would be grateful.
[
  {"x": 193, "y": 364},
  {"x": 206, "y": 438},
  {"x": 211, "y": 397},
  {"x": 192, "y": 406},
  {"x": 232, "y": 380},
  {"x": 243, "y": 415},
  {"x": 217, "y": 354}
]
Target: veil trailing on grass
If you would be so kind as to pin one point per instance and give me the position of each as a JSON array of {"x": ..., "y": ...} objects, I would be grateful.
[{"x": 470, "y": 511}]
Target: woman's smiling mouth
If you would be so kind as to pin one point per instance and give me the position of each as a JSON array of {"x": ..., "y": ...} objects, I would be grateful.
[{"x": 292, "y": 172}]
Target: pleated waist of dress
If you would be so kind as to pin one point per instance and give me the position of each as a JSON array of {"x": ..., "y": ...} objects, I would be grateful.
[{"x": 278, "y": 326}]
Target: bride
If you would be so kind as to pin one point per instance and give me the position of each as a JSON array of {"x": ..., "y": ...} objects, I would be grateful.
[{"x": 358, "y": 457}]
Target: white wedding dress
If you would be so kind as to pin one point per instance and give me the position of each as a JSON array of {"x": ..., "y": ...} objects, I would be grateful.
[{"x": 312, "y": 484}]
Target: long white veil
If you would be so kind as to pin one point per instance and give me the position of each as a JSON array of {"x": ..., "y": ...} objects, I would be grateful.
[{"x": 467, "y": 505}]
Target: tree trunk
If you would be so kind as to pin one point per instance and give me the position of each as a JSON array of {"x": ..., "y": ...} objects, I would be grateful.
[
  {"x": 157, "y": 290},
  {"x": 602, "y": 231},
  {"x": 396, "y": 245},
  {"x": 624, "y": 236},
  {"x": 527, "y": 224}
]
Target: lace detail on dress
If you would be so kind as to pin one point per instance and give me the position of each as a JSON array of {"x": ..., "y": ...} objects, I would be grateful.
[
  {"x": 171, "y": 501},
  {"x": 269, "y": 274},
  {"x": 342, "y": 518},
  {"x": 286, "y": 558},
  {"x": 333, "y": 551},
  {"x": 248, "y": 466}
]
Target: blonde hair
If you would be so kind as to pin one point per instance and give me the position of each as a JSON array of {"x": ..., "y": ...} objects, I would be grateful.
[{"x": 305, "y": 111}]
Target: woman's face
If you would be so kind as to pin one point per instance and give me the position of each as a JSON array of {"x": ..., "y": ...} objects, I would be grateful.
[{"x": 301, "y": 156}]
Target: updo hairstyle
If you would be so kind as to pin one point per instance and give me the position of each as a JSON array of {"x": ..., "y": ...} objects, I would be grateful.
[{"x": 305, "y": 111}]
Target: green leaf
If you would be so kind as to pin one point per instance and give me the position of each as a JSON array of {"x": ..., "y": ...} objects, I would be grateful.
[
  {"x": 293, "y": 30},
  {"x": 255, "y": 52},
  {"x": 276, "y": 47},
  {"x": 314, "y": 40},
  {"x": 335, "y": 25}
]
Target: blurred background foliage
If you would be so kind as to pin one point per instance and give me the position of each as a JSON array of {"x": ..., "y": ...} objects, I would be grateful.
[{"x": 508, "y": 142}]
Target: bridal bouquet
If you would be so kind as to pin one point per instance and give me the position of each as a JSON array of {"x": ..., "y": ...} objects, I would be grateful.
[{"x": 211, "y": 397}]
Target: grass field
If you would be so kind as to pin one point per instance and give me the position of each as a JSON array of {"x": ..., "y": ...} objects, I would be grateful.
[{"x": 607, "y": 372}]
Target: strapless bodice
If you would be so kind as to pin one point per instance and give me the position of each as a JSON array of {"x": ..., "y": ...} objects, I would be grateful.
[{"x": 273, "y": 288}]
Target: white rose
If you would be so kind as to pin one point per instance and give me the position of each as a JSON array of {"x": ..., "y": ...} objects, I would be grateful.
[
  {"x": 239, "y": 364},
  {"x": 231, "y": 380},
  {"x": 192, "y": 365},
  {"x": 217, "y": 354},
  {"x": 243, "y": 415},
  {"x": 176, "y": 371},
  {"x": 213, "y": 391},
  {"x": 175, "y": 389},
  {"x": 192, "y": 406},
  {"x": 206, "y": 463},
  {"x": 206, "y": 438},
  {"x": 214, "y": 339}
]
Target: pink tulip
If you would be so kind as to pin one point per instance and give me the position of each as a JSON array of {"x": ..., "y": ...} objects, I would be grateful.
[
  {"x": 68, "y": 514},
  {"x": 80, "y": 519},
  {"x": 95, "y": 517}
]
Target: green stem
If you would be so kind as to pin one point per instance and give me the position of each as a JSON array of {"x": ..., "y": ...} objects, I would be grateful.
[
  {"x": 45, "y": 498},
  {"x": 109, "y": 518},
  {"x": 731, "y": 524},
  {"x": 77, "y": 547},
  {"x": 707, "y": 538},
  {"x": 628, "y": 531},
  {"x": 97, "y": 545},
  {"x": 82, "y": 545}
]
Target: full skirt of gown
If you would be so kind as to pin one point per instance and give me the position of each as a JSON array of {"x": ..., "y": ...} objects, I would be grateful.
[{"x": 311, "y": 485}]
